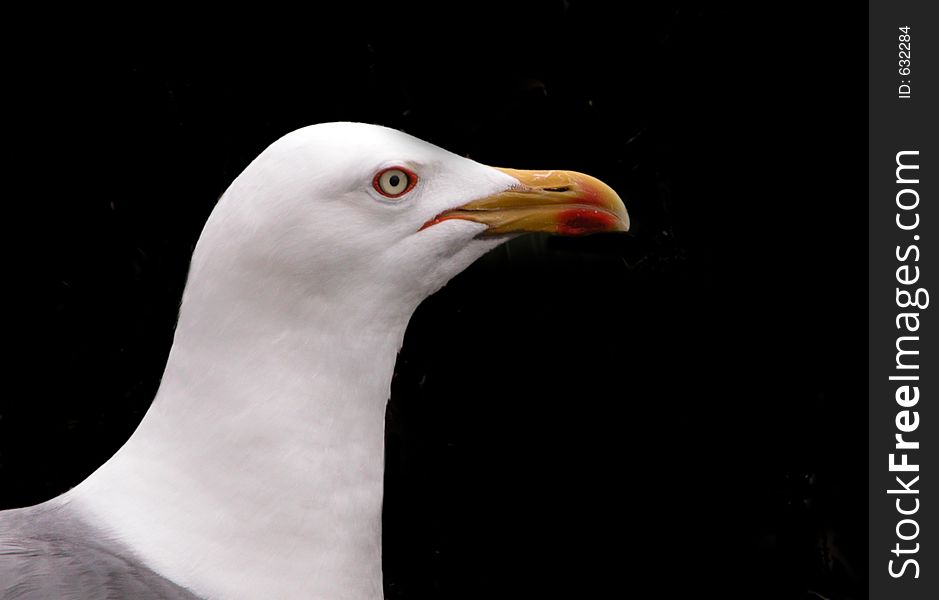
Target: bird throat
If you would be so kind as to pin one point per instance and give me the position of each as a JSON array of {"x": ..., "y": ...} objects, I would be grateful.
[{"x": 258, "y": 471}]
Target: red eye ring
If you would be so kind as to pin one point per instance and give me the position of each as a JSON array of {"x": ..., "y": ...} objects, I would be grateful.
[{"x": 411, "y": 182}]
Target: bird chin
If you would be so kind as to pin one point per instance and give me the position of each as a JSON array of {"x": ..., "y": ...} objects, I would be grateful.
[
  {"x": 477, "y": 231},
  {"x": 457, "y": 243}
]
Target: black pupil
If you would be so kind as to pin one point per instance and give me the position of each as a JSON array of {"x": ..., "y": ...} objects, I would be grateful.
[{"x": 394, "y": 180}]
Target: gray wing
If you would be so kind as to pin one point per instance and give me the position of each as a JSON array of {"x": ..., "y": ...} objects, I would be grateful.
[{"x": 48, "y": 553}]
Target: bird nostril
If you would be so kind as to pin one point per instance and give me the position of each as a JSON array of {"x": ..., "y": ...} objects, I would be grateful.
[{"x": 563, "y": 188}]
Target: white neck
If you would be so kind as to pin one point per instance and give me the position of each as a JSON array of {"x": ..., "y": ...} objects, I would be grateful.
[{"x": 257, "y": 472}]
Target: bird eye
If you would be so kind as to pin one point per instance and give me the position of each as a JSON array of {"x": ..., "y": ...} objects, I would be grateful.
[{"x": 394, "y": 182}]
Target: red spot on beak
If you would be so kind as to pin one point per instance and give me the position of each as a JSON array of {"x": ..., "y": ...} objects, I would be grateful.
[{"x": 581, "y": 221}]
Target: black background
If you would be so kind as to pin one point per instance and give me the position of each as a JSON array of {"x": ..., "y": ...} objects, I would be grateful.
[{"x": 680, "y": 410}]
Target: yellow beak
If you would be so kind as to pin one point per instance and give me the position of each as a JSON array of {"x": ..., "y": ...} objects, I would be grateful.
[{"x": 561, "y": 202}]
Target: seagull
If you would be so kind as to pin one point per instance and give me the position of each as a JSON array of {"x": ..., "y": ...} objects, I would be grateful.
[{"x": 258, "y": 470}]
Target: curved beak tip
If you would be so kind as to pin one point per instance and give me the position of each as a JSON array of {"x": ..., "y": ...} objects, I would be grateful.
[
  {"x": 571, "y": 203},
  {"x": 560, "y": 202}
]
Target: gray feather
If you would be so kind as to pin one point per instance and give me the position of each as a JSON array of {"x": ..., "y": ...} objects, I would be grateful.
[{"x": 47, "y": 552}]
